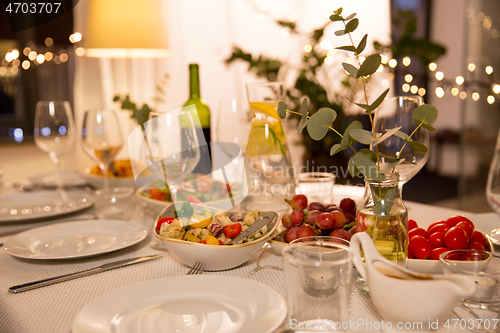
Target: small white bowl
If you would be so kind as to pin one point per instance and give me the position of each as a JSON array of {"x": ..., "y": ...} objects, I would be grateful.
[{"x": 215, "y": 257}]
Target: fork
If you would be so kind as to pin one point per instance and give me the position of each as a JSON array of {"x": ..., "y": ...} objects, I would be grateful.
[
  {"x": 259, "y": 267},
  {"x": 197, "y": 268}
]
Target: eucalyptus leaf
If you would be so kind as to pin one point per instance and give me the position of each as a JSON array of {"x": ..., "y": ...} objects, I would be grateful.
[
  {"x": 370, "y": 65},
  {"x": 426, "y": 113},
  {"x": 318, "y": 124},
  {"x": 336, "y": 17},
  {"x": 335, "y": 149},
  {"x": 332, "y": 111},
  {"x": 347, "y": 48},
  {"x": 383, "y": 198},
  {"x": 428, "y": 127},
  {"x": 389, "y": 158},
  {"x": 362, "y": 153},
  {"x": 351, "y": 25},
  {"x": 302, "y": 125},
  {"x": 362, "y": 44},
  {"x": 368, "y": 168},
  {"x": 364, "y": 106},
  {"x": 350, "y": 16},
  {"x": 350, "y": 69},
  {"x": 402, "y": 135},
  {"x": 417, "y": 146},
  {"x": 379, "y": 100},
  {"x": 388, "y": 166},
  {"x": 282, "y": 110},
  {"x": 303, "y": 109},
  {"x": 363, "y": 136},
  {"x": 340, "y": 32},
  {"x": 386, "y": 135},
  {"x": 346, "y": 138}
]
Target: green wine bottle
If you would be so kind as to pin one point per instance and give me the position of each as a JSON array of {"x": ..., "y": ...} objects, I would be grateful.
[{"x": 203, "y": 113}]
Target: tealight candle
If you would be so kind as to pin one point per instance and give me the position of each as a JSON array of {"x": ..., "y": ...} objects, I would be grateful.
[
  {"x": 320, "y": 282},
  {"x": 485, "y": 287}
]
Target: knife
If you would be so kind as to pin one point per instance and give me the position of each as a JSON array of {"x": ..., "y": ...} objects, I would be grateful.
[
  {"x": 263, "y": 220},
  {"x": 41, "y": 283}
]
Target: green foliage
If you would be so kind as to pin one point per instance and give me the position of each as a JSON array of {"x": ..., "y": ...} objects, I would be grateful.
[{"x": 140, "y": 115}]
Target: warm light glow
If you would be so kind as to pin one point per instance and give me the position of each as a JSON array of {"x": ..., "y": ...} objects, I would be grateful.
[
  {"x": 284, "y": 33},
  {"x": 406, "y": 87},
  {"x": 384, "y": 59},
  {"x": 361, "y": 59},
  {"x": 16, "y": 62},
  {"x": 77, "y": 37},
  {"x": 14, "y": 70},
  {"x": 433, "y": 66},
  {"x": 57, "y": 59},
  {"x": 26, "y": 64},
  {"x": 463, "y": 95},
  {"x": 475, "y": 96},
  {"x": 421, "y": 91},
  {"x": 406, "y": 61},
  {"x": 64, "y": 57},
  {"x": 390, "y": 76},
  {"x": 454, "y": 91},
  {"x": 32, "y": 55},
  {"x": 293, "y": 17},
  {"x": 439, "y": 92},
  {"x": 384, "y": 82},
  {"x": 326, "y": 45},
  {"x": 80, "y": 51},
  {"x": 413, "y": 89},
  {"x": 459, "y": 80},
  {"x": 488, "y": 70},
  {"x": 250, "y": 4},
  {"x": 328, "y": 60},
  {"x": 496, "y": 88},
  {"x": 471, "y": 67},
  {"x": 15, "y": 53},
  {"x": 331, "y": 53},
  {"x": 9, "y": 57},
  {"x": 490, "y": 99},
  {"x": 40, "y": 58},
  {"x": 49, "y": 41},
  {"x": 48, "y": 56},
  {"x": 307, "y": 48},
  {"x": 408, "y": 78},
  {"x": 3, "y": 70},
  {"x": 393, "y": 63},
  {"x": 439, "y": 76},
  {"x": 487, "y": 23},
  {"x": 265, "y": 7},
  {"x": 26, "y": 51},
  {"x": 261, "y": 17},
  {"x": 380, "y": 68}
]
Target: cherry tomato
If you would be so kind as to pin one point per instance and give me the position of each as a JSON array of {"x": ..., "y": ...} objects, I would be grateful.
[
  {"x": 478, "y": 237},
  {"x": 475, "y": 246},
  {"x": 435, "y": 223},
  {"x": 452, "y": 256},
  {"x": 456, "y": 238},
  {"x": 168, "y": 220},
  {"x": 417, "y": 231},
  {"x": 437, "y": 239},
  {"x": 437, "y": 252},
  {"x": 412, "y": 224},
  {"x": 420, "y": 247},
  {"x": 467, "y": 226},
  {"x": 471, "y": 256},
  {"x": 157, "y": 194},
  {"x": 440, "y": 227},
  {"x": 453, "y": 220}
]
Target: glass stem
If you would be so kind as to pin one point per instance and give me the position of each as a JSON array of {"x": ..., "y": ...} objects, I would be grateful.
[
  {"x": 105, "y": 168},
  {"x": 59, "y": 182},
  {"x": 173, "y": 192}
]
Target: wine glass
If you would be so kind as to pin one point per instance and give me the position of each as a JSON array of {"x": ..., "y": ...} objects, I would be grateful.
[
  {"x": 395, "y": 112},
  {"x": 54, "y": 132},
  {"x": 101, "y": 138},
  {"x": 269, "y": 171},
  {"x": 173, "y": 147},
  {"x": 493, "y": 183}
]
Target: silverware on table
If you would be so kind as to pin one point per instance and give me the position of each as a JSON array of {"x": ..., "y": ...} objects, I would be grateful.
[
  {"x": 41, "y": 283},
  {"x": 263, "y": 220},
  {"x": 197, "y": 268}
]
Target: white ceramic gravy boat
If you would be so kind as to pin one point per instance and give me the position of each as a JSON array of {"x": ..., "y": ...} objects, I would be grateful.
[{"x": 404, "y": 296}]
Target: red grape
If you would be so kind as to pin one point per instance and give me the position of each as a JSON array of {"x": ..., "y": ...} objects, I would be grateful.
[
  {"x": 340, "y": 233},
  {"x": 352, "y": 231},
  {"x": 333, "y": 208},
  {"x": 297, "y": 217},
  {"x": 305, "y": 230},
  {"x": 316, "y": 206},
  {"x": 348, "y": 205},
  {"x": 299, "y": 202},
  {"x": 325, "y": 221},
  {"x": 292, "y": 234},
  {"x": 339, "y": 219},
  {"x": 349, "y": 218},
  {"x": 286, "y": 221},
  {"x": 311, "y": 217}
]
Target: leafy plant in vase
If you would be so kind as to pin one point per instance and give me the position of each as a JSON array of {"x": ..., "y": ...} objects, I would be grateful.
[{"x": 381, "y": 213}]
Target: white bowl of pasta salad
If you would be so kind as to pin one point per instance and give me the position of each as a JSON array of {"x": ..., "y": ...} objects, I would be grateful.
[{"x": 198, "y": 233}]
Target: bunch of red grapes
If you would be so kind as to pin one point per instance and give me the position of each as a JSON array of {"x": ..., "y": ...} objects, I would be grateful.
[{"x": 318, "y": 219}]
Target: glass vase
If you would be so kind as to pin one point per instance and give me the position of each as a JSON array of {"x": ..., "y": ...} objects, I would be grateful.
[{"x": 383, "y": 215}]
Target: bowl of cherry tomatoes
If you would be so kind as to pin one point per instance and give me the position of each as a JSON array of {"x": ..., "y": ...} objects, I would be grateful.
[{"x": 455, "y": 233}]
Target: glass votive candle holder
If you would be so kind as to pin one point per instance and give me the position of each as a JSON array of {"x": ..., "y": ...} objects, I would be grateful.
[
  {"x": 318, "y": 272},
  {"x": 317, "y": 186}
]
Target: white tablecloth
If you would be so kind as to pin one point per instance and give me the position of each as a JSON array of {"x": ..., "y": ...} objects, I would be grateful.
[{"x": 51, "y": 309}]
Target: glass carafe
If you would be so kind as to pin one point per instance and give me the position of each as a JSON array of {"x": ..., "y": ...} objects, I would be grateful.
[
  {"x": 383, "y": 215},
  {"x": 267, "y": 158}
]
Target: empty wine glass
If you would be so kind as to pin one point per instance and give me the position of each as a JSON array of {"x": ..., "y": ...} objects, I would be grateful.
[
  {"x": 173, "y": 147},
  {"x": 101, "y": 138},
  {"x": 395, "y": 112},
  {"x": 54, "y": 132},
  {"x": 493, "y": 183}
]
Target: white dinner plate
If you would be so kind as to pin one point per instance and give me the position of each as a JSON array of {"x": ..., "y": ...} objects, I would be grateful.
[
  {"x": 68, "y": 178},
  {"x": 41, "y": 204},
  {"x": 78, "y": 239},
  {"x": 193, "y": 303}
]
